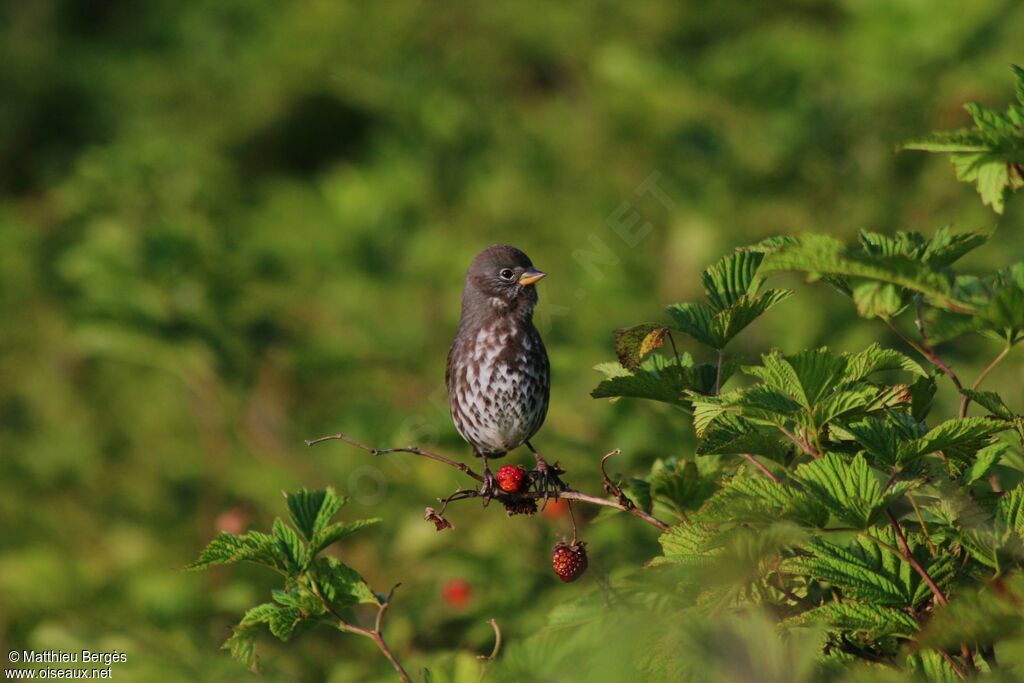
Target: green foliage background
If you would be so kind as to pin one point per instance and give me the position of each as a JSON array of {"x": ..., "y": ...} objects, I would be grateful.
[{"x": 225, "y": 227}]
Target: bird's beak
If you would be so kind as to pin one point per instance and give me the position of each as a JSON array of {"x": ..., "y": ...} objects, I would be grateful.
[{"x": 530, "y": 276}]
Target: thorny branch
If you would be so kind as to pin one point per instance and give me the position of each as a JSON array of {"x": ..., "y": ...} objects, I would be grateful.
[{"x": 438, "y": 516}]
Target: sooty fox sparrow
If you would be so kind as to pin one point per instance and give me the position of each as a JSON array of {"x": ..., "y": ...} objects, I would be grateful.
[{"x": 498, "y": 374}]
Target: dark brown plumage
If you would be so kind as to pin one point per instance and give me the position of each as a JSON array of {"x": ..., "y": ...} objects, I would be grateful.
[{"x": 498, "y": 375}]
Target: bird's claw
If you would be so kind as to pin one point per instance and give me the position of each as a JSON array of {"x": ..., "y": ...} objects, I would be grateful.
[
  {"x": 489, "y": 487},
  {"x": 545, "y": 479}
]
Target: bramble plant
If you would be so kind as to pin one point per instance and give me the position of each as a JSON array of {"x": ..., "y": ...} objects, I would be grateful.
[
  {"x": 991, "y": 154},
  {"x": 827, "y": 490}
]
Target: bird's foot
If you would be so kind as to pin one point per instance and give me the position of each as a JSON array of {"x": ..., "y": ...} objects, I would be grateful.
[
  {"x": 489, "y": 487},
  {"x": 545, "y": 479}
]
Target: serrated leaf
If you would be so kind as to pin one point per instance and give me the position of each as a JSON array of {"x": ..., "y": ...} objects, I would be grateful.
[
  {"x": 757, "y": 500},
  {"x": 986, "y": 458},
  {"x": 821, "y": 255},
  {"x": 341, "y": 585},
  {"x": 872, "y": 621},
  {"x": 311, "y": 511},
  {"x": 990, "y": 155},
  {"x": 656, "y": 380},
  {"x": 731, "y": 278},
  {"x": 632, "y": 344},
  {"x": 958, "y": 439},
  {"x": 877, "y": 300},
  {"x": 688, "y": 544},
  {"x": 1010, "y": 510},
  {"x": 253, "y": 546},
  {"x": 731, "y": 435},
  {"x": 990, "y": 401},
  {"x": 983, "y": 615},
  {"x": 806, "y": 376},
  {"x": 850, "y": 490},
  {"x": 876, "y": 359},
  {"x": 290, "y": 546},
  {"x": 332, "y": 533},
  {"x": 716, "y": 328},
  {"x": 865, "y": 571}
]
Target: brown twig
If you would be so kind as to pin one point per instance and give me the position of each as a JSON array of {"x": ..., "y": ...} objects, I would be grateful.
[
  {"x": 966, "y": 400},
  {"x": 415, "y": 450},
  {"x": 497, "y": 642},
  {"x": 467, "y": 493},
  {"x": 375, "y": 634}
]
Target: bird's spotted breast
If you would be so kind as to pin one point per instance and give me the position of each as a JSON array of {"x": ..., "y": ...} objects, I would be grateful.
[{"x": 498, "y": 385}]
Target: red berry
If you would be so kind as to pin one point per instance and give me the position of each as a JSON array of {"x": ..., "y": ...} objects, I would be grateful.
[
  {"x": 511, "y": 478},
  {"x": 569, "y": 561},
  {"x": 456, "y": 592}
]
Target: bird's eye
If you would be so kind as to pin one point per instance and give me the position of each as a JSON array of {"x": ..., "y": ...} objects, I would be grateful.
[{"x": 506, "y": 274}]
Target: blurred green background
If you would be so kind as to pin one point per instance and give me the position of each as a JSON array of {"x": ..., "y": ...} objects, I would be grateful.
[{"x": 226, "y": 227}]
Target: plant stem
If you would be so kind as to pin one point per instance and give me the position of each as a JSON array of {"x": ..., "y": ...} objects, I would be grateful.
[
  {"x": 966, "y": 400},
  {"x": 416, "y": 450},
  {"x": 759, "y": 465},
  {"x": 927, "y": 351},
  {"x": 904, "y": 552},
  {"x": 940, "y": 598},
  {"x": 924, "y": 527},
  {"x": 675, "y": 351},
  {"x": 718, "y": 372},
  {"x": 375, "y": 635},
  {"x": 625, "y": 505}
]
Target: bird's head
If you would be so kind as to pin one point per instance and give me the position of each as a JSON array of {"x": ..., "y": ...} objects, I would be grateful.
[{"x": 500, "y": 281}]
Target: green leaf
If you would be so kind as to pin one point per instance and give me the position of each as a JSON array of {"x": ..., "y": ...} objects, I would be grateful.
[
  {"x": 984, "y": 616},
  {"x": 311, "y": 511},
  {"x": 655, "y": 379},
  {"x": 865, "y": 571},
  {"x": 660, "y": 379},
  {"x": 983, "y": 463},
  {"x": 688, "y": 544},
  {"x": 732, "y": 278},
  {"x": 731, "y": 435},
  {"x": 716, "y": 328},
  {"x": 290, "y": 546},
  {"x": 758, "y": 500},
  {"x": 871, "y": 621},
  {"x": 632, "y": 344},
  {"x": 850, "y": 490},
  {"x": 806, "y": 376},
  {"x": 877, "y": 300},
  {"x": 1010, "y": 510},
  {"x": 990, "y": 401},
  {"x": 252, "y": 547},
  {"x": 881, "y": 437},
  {"x": 332, "y": 533},
  {"x": 876, "y": 359},
  {"x": 957, "y": 439},
  {"x": 990, "y": 155},
  {"x": 696, "y": 320},
  {"x": 340, "y": 585},
  {"x": 821, "y": 255}
]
